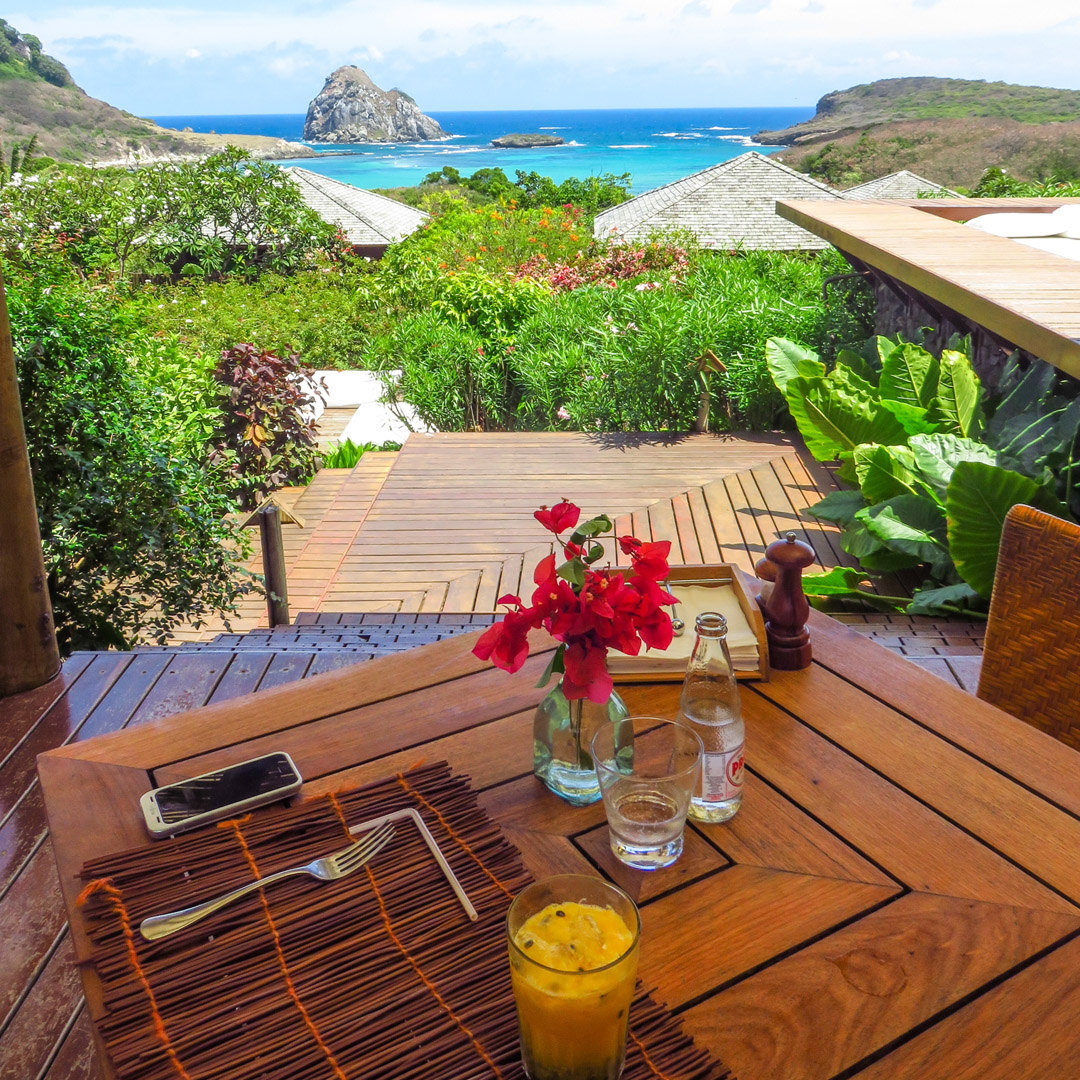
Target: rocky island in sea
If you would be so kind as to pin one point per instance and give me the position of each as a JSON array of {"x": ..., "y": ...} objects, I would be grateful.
[
  {"x": 526, "y": 141},
  {"x": 350, "y": 108}
]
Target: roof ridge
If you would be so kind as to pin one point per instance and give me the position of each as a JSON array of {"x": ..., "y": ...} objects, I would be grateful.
[
  {"x": 326, "y": 184},
  {"x": 720, "y": 166}
]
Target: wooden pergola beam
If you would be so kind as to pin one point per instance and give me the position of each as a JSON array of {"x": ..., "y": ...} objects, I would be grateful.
[{"x": 28, "y": 651}]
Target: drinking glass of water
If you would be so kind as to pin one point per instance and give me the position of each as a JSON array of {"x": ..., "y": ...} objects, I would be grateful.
[{"x": 646, "y": 785}]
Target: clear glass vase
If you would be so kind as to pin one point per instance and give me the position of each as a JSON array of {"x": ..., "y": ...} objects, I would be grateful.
[{"x": 562, "y": 732}]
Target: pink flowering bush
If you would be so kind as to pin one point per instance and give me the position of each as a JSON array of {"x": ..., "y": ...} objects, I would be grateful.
[{"x": 670, "y": 262}]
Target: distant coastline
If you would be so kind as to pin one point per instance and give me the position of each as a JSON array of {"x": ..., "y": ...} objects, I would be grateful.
[{"x": 656, "y": 146}]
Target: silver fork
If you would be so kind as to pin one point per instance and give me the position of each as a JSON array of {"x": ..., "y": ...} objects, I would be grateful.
[{"x": 329, "y": 868}]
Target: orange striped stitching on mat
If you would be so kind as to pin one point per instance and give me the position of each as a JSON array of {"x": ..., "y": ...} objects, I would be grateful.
[
  {"x": 410, "y": 790},
  {"x": 405, "y": 952},
  {"x": 645, "y": 1056},
  {"x": 116, "y": 898},
  {"x": 289, "y": 984}
]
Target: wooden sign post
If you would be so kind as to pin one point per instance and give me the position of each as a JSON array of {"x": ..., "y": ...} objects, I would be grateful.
[{"x": 28, "y": 652}]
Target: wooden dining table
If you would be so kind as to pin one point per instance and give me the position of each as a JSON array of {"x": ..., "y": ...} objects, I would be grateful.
[{"x": 898, "y": 897}]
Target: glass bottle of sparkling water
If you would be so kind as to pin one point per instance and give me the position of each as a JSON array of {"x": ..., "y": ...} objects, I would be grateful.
[{"x": 710, "y": 706}]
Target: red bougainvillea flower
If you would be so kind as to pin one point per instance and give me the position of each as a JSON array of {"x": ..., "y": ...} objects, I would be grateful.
[
  {"x": 649, "y": 559},
  {"x": 506, "y": 644},
  {"x": 561, "y": 516},
  {"x": 588, "y": 610},
  {"x": 586, "y": 673}
]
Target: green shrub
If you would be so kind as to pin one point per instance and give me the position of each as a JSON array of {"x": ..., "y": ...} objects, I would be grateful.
[
  {"x": 619, "y": 356},
  {"x": 324, "y": 312},
  {"x": 225, "y": 213},
  {"x": 134, "y": 533}
]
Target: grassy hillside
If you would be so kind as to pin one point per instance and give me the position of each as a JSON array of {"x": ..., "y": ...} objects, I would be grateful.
[
  {"x": 949, "y": 130},
  {"x": 39, "y": 97},
  {"x": 954, "y": 153}
]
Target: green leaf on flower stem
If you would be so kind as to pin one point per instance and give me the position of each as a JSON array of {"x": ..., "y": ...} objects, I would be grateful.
[
  {"x": 593, "y": 527},
  {"x": 838, "y": 507},
  {"x": 979, "y": 497},
  {"x": 554, "y": 667},
  {"x": 837, "y": 413},
  {"x": 593, "y": 552},
  {"x": 573, "y": 570},
  {"x": 957, "y": 407},
  {"x": 909, "y": 375},
  {"x": 787, "y": 360}
]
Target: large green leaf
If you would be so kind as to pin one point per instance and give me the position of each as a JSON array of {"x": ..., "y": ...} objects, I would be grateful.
[
  {"x": 835, "y": 414},
  {"x": 839, "y": 507},
  {"x": 839, "y": 581},
  {"x": 910, "y": 375},
  {"x": 842, "y": 582},
  {"x": 860, "y": 365},
  {"x": 1023, "y": 391},
  {"x": 885, "y": 471},
  {"x": 858, "y": 541},
  {"x": 787, "y": 360},
  {"x": 950, "y": 599},
  {"x": 978, "y": 498},
  {"x": 914, "y": 419},
  {"x": 1036, "y": 435},
  {"x": 911, "y": 525},
  {"x": 958, "y": 404},
  {"x": 937, "y": 455}
]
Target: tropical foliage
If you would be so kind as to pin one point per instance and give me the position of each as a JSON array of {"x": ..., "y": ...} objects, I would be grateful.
[
  {"x": 133, "y": 528},
  {"x": 934, "y": 466}
]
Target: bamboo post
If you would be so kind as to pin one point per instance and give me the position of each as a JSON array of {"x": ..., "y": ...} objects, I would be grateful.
[
  {"x": 28, "y": 651},
  {"x": 273, "y": 556}
]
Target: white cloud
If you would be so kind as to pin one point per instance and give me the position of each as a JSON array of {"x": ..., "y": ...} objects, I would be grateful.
[{"x": 558, "y": 47}]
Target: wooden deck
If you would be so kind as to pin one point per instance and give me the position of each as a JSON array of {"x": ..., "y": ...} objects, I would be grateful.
[
  {"x": 446, "y": 523},
  {"x": 1020, "y": 294}
]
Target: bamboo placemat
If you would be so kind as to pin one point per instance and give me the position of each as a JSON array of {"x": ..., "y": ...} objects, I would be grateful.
[{"x": 379, "y": 975}]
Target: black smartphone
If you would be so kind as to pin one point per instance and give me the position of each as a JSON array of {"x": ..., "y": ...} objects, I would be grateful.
[{"x": 216, "y": 795}]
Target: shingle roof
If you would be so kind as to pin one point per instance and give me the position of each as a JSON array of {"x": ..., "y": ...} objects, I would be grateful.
[
  {"x": 898, "y": 185},
  {"x": 730, "y": 204},
  {"x": 365, "y": 218}
]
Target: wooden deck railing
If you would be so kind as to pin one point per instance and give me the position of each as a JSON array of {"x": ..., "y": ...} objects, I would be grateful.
[{"x": 1021, "y": 295}]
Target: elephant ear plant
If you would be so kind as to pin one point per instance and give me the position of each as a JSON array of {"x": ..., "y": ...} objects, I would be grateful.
[{"x": 933, "y": 470}]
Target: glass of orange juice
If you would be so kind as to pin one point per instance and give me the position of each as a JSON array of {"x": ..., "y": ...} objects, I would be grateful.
[{"x": 573, "y": 945}]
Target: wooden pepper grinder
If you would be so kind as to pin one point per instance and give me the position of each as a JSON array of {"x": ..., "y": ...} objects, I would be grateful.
[{"x": 786, "y": 609}]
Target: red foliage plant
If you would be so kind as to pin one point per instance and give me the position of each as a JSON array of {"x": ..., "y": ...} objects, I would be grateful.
[
  {"x": 267, "y": 435},
  {"x": 589, "y": 611}
]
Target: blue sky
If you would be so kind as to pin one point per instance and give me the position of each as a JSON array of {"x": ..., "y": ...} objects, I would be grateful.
[{"x": 255, "y": 56}]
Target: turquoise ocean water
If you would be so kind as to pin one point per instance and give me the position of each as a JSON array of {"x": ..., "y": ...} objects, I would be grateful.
[{"x": 656, "y": 146}]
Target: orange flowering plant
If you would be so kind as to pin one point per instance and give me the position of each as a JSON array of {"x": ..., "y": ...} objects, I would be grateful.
[{"x": 589, "y": 611}]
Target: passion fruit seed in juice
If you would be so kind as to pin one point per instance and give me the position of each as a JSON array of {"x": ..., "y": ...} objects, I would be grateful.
[
  {"x": 573, "y": 982},
  {"x": 574, "y": 937}
]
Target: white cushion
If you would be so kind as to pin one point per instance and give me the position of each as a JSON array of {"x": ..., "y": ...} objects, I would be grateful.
[
  {"x": 1055, "y": 245},
  {"x": 1017, "y": 225},
  {"x": 1067, "y": 218}
]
